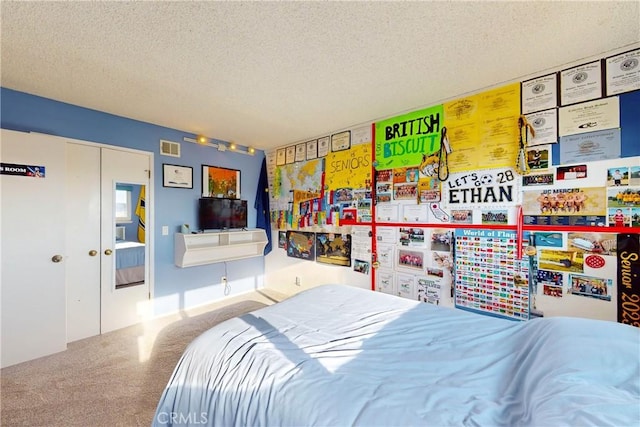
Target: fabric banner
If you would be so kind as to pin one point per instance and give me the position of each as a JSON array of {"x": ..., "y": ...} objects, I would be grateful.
[
  {"x": 140, "y": 211},
  {"x": 629, "y": 279}
]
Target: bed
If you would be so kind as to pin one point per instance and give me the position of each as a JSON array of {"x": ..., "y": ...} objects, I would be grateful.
[
  {"x": 129, "y": 263},
  {"x": 337, "y": 355}
]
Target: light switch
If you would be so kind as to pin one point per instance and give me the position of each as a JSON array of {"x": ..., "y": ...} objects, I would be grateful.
[{"x": 165, "y": 230}]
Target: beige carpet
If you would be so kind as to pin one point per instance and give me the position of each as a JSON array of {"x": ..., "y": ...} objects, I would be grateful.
[{"x": 113, "y": 379}]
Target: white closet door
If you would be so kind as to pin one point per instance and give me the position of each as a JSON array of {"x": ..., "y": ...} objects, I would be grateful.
[
  {"x": 124, "y": 306},
  {"x": 33, "y": 249},
  {"x": 83, "y": 241}
]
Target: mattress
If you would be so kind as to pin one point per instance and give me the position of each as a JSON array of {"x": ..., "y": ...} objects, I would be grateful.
[{"x": 337, "y": 355}]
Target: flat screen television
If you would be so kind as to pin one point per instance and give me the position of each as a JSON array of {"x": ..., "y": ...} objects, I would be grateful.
[{"x": 221, "y": 214}]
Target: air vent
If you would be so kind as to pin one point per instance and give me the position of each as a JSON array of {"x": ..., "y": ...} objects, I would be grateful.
[{"x": 169, "y": 148}]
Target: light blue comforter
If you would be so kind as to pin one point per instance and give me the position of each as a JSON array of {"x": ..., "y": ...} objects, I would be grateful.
[{"x": 341, "y": 356}]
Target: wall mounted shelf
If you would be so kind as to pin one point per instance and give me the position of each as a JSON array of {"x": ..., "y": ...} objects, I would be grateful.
[{"x": 209, "y": 248}]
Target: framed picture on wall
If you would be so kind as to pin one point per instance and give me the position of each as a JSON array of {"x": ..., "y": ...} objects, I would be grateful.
[
  {"x": 177, "y": 176},
  {"x": 220, "y": 182}
]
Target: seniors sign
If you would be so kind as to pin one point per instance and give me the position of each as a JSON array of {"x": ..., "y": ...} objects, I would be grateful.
[{"x": 403, "y": 140}]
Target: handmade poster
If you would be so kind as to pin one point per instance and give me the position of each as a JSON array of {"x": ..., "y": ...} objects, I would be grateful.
[
  {"x": 301, "y": 245},
  {"x": 333, "y": 248},
  {"x": 623, "y": 72},
  {"x": 581, "y": 83},
  {"x": 539, "y": 93},
  {"x": 428, "y": 290},
  {"x": 590, "y": 147},
  {"x": 483, "y": 189},
  {"x": 571, "y": 206},
  {"x": 323, "y": 146},
  {"x": 385, "y": 282},
  {"x": 545, "y": 126},
  {"x": 348, "y": 168},
  {"x": 589, "y": 116},
  {"x": 488, "y": 119},
  {"x": 405, "y": 284},
  {"x": 488, "y": 278},
  {"x": 404, "y": 140},
  {"x": 628, "y": 267}
]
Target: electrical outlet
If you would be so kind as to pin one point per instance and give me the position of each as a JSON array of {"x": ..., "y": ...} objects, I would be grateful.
[{"x": 297, "y": 281}]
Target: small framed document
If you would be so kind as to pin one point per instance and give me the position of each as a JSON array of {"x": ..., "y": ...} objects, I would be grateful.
[
  {"x": 301, "y": 152},
  {"x": 581, "y": 83},
  {"x": 281, "y": 158},
  {"x": 291, "y": 154},
  {"x": 623, "y": 72},
  {"x": 540, "y": 94},
  {"x": 341, "y": 141},
  {"x": 312, "y": 149},
  {"x": 323, "y": 146}
]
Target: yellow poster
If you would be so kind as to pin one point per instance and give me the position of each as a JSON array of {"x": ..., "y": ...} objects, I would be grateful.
[
  {"x": 483, "y": 129},
  {"x": 349, "y": 168}
]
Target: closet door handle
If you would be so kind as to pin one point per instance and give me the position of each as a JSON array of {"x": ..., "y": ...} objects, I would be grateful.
[
  {"x": 93, "y": 252},
  {"x": 108, "y": 252}
]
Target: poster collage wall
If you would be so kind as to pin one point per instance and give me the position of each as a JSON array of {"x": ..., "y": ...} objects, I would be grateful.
[{"x": 548, "y": 152}]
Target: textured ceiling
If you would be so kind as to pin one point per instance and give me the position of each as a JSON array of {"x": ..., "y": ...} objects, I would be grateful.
[{"x": 267, "y": 74}]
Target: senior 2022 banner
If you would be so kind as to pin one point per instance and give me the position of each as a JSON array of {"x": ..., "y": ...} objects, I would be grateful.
[{"x": 629, "y": 279}]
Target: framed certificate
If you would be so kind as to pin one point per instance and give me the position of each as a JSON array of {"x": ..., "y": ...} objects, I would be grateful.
[
  {"x": 312, "y": 149},
  {"x": 341, "y": 141},
  {"x": 301, "y": 152},
  {"x": 589, "y": 116},
  {"x": 623, "y": 72},
  {"x": 540, "y": 93},
  {"x": 323, "y": 146},
  {"x": 290, "y": 154},
  {"x": 281, "y": 158},
  {"x": 581, "y": 83}
]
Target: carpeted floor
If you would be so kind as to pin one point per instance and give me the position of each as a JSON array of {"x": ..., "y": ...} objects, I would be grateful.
[{"x": 113, "y": 379}]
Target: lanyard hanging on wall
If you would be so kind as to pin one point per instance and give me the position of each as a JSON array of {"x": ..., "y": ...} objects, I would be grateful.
[
  {"x": 522, "y": 167},
  {"x": 443, "y": 155}
]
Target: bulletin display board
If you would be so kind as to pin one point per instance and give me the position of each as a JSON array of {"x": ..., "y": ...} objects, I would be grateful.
[{"x": 503, "y": 202}]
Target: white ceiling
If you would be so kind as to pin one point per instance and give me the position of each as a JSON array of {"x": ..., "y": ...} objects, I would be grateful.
[{"x": 268, "y": 74}]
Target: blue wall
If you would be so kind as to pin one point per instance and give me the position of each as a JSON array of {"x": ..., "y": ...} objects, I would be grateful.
[{"x": 175, "y": 288}]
